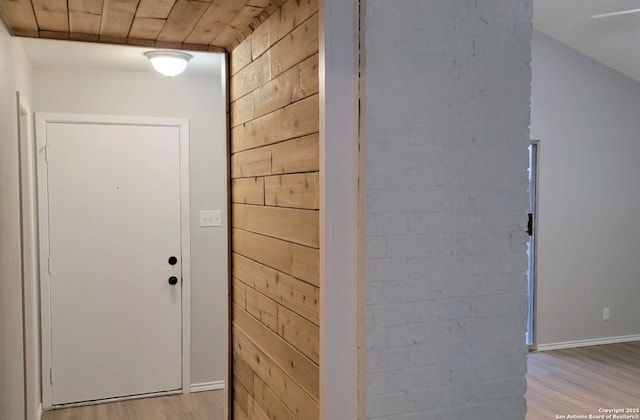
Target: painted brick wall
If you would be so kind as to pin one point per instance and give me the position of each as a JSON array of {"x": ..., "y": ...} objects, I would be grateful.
[
  {"x": 446, "y": 86},
  {"x": 275, "y": 192}
]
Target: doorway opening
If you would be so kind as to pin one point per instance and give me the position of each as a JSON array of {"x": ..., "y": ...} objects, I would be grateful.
[
  {"x": 112, "y": 222},
  {"x": 531, "y": 244},
  {"x": 118, "y": 81}
]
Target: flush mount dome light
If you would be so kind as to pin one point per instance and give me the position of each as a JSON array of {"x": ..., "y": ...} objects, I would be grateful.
[{"x": 169, "y": 63}]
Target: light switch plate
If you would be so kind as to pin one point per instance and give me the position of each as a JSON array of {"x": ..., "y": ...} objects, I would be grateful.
[{"x": 209, "y": 218}]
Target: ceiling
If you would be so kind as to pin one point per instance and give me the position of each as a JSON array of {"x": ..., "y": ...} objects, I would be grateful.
[
  {"x": 210, "y": 25},
  {"x": 216, "y": 25},
  {"x": 614, "y": 41},
  {"x": 49, "y": 52}
]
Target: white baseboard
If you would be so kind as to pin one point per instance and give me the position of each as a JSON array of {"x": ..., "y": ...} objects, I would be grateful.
[
  {"x": 585, "y": 343},
  {"x": 39, "y": 415},
  {"x": 207, "y": 386}
]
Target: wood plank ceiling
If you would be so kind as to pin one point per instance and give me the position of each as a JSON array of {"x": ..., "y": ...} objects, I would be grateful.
[{"x": 213, "y": 25}]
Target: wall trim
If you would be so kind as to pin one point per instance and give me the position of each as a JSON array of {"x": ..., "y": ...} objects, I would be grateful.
[
  {"x": 29, "y": 258},
  {"x": 208, "y": 386},
  {"x": 339, "y": 209},
  {"x": 39, "y": 411},
  {"x": 590, "y": 342}
]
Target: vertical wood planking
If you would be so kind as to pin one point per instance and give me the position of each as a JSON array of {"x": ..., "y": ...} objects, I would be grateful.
[
  {"x": 213, "y": 21},
  {"x": 241, "y": 20},
  {"x": 84, "y": 23},
  {"x": 206, "y": 25},
  {"x": 275, "y": 225},
  {"x": 157, "y": 9},
  {"x": 52, "y": 15},
  {"x": 184, "y": 16},
  {"x": 84, "y": 16},
  {"x": 146, "y": 27},
  {"x": 117, "y": 16},
  {"x": 93, "y": 7},
  {"x": 20, "y": 15}
]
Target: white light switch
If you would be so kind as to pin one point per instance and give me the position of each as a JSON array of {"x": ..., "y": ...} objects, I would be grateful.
[{"x": 210, "y": 218}]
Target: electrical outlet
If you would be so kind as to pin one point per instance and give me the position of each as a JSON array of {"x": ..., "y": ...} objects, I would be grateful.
[{"x": 606, "y": 314}]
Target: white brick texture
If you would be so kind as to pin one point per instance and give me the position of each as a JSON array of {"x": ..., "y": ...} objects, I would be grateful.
[{"x": 445, "y": 101}]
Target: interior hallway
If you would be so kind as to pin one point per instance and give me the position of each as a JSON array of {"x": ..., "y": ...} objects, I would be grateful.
[
  {"x": 583, "y": 380},
  {"x": 196, "y": 406}
]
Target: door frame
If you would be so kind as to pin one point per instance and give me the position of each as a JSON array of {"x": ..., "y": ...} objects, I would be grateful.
[
  {"x": 342, "y": 218},
  {"x": 532, "y": 284},
  {"x": 41, "y": 121},
  {"x": 29, "y": 257}
]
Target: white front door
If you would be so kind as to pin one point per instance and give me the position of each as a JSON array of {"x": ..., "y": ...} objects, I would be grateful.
[{"x": 114, "y": 209}]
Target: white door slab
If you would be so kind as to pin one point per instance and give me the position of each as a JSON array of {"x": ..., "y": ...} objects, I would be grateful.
[{"x": 114, "y": 220}]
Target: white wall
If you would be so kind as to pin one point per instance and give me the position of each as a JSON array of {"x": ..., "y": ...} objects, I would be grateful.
[
  {"x": 14, "y": 75},
  {"x": 446, "y": 114},
  {"x": 22, "y": 70},
  {"x": 199, "y": 98},
  {"x": 586, "y": 116},
  {"x": 31, "y": 324}
]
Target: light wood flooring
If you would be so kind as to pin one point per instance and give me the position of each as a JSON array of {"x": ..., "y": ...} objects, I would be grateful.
[
  {"x": 583, "y": 380},
  {"x": 560, "y": 382},
  {"x": 209, "y": 405}
]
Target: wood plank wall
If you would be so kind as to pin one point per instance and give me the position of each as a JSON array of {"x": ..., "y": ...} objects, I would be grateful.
[{"x": 275, "y": 216}]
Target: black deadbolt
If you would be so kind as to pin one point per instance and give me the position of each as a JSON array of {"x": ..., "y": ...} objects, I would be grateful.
[
  {"x": 173, "y": 280},
  {"x": 173, "y": 260}
]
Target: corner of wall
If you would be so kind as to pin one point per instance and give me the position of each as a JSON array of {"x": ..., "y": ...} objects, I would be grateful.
[
  {"x": 11, "y": 368},
  {"x": 22, "y": 70}
]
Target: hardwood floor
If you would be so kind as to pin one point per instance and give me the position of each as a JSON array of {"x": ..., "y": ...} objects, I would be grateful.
[
  {"x": 575, "y": 381},
  {"x": 208, "y": 405},
  {"x": 583, "y": 380}
]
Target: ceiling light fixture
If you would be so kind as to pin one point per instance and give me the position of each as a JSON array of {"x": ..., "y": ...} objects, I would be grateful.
[{"x": 169, "y": 63}]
